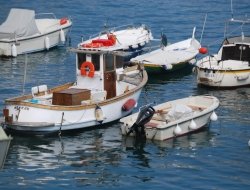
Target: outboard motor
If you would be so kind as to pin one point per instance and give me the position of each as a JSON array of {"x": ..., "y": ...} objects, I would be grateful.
[{"x": 145, "y": 115}]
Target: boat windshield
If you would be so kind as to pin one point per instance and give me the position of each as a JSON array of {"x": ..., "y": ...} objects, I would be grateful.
[{"x": 236, "y": 52}]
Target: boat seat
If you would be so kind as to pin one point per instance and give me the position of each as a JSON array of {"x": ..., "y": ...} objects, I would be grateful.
[{"x": 40, "y": 92}]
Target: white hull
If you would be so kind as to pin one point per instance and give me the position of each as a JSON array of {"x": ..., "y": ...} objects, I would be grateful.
[
  {"x": 32, "y": 44},
  {"x": 51, "y": 120},
  {"x": 162, "y": 129},
  {"x": 176, "y": 53},
  {"x": 127, "y": 38},
  {"x": 23, "y": 32},
  {"x": 226, "y": 74}
]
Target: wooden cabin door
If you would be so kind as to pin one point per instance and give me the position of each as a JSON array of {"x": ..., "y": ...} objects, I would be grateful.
[{"x": 109, "y": 76}]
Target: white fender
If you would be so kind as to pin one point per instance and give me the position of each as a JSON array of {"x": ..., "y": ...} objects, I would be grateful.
[
  {"x": 213, "y": 117},
  {"x": 135, "y": 46},
  {"x": 99, "y": 114},
  {"x": 177, "y": 130},
  {"x": 192, "y": 125},
  {"x": 13, "y": 50},
  {"x": 62, "y": 36},
  {"x": 47, "y": 43}
]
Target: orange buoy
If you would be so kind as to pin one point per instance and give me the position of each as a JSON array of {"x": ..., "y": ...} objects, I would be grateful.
[
  {"x": 63, "y": 21},
  {"x": 203, "y": 50},
  {"x": 129, "y": 104},
  {"x": 89, "y": 67}
]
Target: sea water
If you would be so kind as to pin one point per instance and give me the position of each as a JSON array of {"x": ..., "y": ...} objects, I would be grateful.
[{"x": 215, "y": 158}]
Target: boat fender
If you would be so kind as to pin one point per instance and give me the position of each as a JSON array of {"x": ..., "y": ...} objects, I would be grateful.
[
  {"x": 63, "y": 21},
  {"x": 13, "y": 50},
  {"x": 192, "y": 125},
  {"x": 203, "y": 50},
  {"x": 99, "y": 114},
  {"x": 128, "y": 105},
  {"x": 62, "y": 36},
  {"x": 167, "y": 66},
  {"x": 135, "y": 46},
  {"x": 47, "y": 43},
  {"x": 88, "y": 66},
  {"x": 177, "y": 130},
  {"x": 213, "y": 117}
]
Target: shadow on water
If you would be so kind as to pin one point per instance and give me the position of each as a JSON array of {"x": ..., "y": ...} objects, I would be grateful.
[{"x": 200, "y": 138}]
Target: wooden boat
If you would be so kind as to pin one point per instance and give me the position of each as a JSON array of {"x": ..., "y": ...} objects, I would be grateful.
[
  {"x": 127, "y": 38},
  {"x": 4, "y": 146},
  {"x": 171, "y": 119},
  {"x": 230, "y": 66},
  {"x": 104, "y": 91},
  {"x": 27, "y": 32},
  {"x": 170, "y": 58}
]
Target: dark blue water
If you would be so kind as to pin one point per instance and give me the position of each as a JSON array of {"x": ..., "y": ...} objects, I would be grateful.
[{"x": 215, "y": 158}]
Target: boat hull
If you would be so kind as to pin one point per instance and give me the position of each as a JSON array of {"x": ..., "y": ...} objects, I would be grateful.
[
  {"x": 41, "y": 120},
  {"x": 163, "y": 129},
  {"x": 154, "y": 133},
  {"x": 229, "y": 77},
  {"x": 33, "y": 44},
  {"x": 150, "y": 68}
]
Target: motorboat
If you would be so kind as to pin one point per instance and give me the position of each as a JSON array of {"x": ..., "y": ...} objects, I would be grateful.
[
  {"x": 126, "y": 38},
  {"x": 230, "y": 67},
  {"x": 104, "y": 91},
  {"x": 4, "y": 146},
  {"x": 170, "y": 57},
  {"x": 171, "y": 119},
  {"x": 25, "y": 32}
]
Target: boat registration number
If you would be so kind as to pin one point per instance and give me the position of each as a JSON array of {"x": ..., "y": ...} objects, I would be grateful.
[
  {"x": 209, "y": 75},
  {"x": 21, "y": 108}
]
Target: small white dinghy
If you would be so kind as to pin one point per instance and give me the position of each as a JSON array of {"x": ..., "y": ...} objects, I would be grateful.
[
  {"x": 171, "y": 57},
  {"x": 171, "y": 119},
  {"x": 127, "y": 38},
  {"x": 27, "y": 32},
  {"x": 4, "y": 146}
]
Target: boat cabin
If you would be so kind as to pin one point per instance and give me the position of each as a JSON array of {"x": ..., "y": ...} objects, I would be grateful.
[
  {"x": 99, "y": 71},
  {"x": 236, "y": 49}
]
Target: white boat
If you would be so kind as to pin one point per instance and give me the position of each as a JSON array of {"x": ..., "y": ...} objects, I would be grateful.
[
  {"x": 4, "y": 146},
  {"x": 170, "y": 58},
  {"x": 171, "y": 119},
  {"x": 25, "y": 32},
  {"x": 126, "y": 38},
  {"x": 104, "y": 91},
  {"x": 230, "y": 67}
]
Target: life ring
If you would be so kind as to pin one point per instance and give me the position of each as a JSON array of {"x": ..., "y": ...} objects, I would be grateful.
[{"x": 88, "y": 66}]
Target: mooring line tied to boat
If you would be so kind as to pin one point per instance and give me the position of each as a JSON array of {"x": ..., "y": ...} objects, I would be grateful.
[{"x": 60, "y": 129}]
